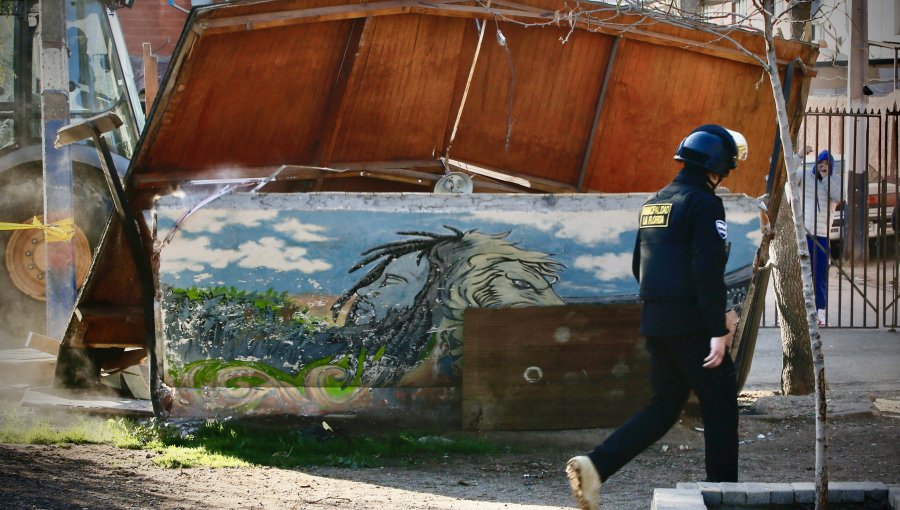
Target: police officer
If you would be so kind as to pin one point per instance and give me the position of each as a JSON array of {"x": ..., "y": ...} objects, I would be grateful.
[{"x": 679, "y": 260}]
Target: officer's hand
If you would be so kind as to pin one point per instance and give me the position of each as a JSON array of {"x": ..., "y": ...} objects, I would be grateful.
[{"x": 717, "y": 346}]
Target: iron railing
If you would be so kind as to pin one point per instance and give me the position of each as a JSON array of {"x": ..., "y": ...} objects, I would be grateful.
[{"x": 863, "y": 275}]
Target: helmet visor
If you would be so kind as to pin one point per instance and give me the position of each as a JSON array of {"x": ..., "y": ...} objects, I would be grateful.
[{"x": 741, "y": 143}]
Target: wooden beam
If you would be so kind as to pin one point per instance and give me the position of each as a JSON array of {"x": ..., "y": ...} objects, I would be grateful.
[
  {"x": 420, "y": 172},
  {"x": 43, "y": 343},
  {"x": 603, "y": 88},
  {"x": 348, "y": 76},
  {"x": 525, "y": 14},
  {"x": 89, "y": 313},
  {"x": 151, "y": 77},
  {"x": 156, "y": 180},
  {"x": 535, "y": 183}
]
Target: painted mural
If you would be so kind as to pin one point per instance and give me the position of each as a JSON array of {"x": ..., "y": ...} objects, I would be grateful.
[{"x": 318, "y": 303}]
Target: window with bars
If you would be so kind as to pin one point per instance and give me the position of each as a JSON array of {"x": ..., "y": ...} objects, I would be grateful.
[{"x": 723, "y": 12}]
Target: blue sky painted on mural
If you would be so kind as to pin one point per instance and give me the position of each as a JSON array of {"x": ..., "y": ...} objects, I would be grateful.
[{"x": 310, "y": 252}]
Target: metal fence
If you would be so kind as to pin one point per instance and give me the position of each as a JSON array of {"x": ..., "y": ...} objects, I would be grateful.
[{"x": 863, "y": 273}]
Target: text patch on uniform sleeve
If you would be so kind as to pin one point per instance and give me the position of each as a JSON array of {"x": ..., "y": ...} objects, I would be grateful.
[
  {"x": 722, "y": 227},
  {"x": 655, "y": 215}
]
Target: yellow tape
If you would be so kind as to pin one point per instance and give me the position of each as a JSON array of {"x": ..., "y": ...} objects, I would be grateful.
[{"x": 62, "y": 230}]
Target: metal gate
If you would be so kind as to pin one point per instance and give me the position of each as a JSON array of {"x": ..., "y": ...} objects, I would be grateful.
[{"x": 863, "y": 275}]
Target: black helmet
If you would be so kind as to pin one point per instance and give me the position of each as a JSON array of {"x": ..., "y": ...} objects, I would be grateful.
[{"x": 713, "y": 148}]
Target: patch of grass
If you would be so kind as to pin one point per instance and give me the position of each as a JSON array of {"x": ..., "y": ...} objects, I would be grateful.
[
  {"x": 293, "y": 448},
  {"x": 30, "y": 428},
  {"x": 183, "y": 457},
  {"x": 230, "y": 444}
]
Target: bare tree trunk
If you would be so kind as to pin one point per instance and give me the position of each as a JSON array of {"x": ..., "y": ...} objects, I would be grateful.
[
  {"x": 792, "y": 188},
  {"x": 796, "y": 352}
]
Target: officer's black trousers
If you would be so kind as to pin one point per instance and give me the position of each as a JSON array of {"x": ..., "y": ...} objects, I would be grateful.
[{"x": 676, "y": 368}]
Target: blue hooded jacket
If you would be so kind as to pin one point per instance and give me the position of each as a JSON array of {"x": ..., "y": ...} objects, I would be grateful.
[{"x": 823, "y": 156}]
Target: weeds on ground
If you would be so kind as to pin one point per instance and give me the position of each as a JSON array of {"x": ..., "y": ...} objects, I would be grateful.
[{"x": 227, "y": 444}]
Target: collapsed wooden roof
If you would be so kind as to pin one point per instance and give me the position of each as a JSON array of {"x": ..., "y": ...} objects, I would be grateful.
[{"x": 596, "y": 101}]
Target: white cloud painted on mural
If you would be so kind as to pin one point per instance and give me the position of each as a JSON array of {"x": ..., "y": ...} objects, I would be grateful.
[
  {"x": 213, "y": 220},
  {"x": 259, "y": 254},
  {"x": 196, "y": 255},
  {"x": 585, "y": 227},
  {"x": 609, "y": 266},
  {"x": 202, "y": 276},
  {"x": 302, "y": 232}
]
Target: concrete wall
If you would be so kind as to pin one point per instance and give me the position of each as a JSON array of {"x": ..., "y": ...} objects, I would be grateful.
[{"x": 317, "y": 303}]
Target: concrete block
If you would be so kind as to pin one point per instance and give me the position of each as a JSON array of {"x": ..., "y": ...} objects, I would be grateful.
[
  {"x": 834, "y": 493},
  {"x": 782, "y": 493},
  {"x": 875, "y": 491},
  {"x": 733, "y": 493},
  {"x": 850, "y": 492},
  {"x": 712, "y": 492},
  {"x": 894, "y": 496},
  {"x": 758, "y": 493},
  {"x": 804, "y": 492},
  {"x": 677, "y": 499}
]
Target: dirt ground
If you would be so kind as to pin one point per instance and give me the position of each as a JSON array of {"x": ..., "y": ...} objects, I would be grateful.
[{"x": 777, "y": 436}]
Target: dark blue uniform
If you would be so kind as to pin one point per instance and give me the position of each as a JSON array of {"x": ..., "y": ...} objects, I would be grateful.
[{"x": 679, "y": 260}]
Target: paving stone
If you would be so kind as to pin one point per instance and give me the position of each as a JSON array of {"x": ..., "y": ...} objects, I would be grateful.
[
  {"x": 850, "y": 492},
  {"x": 758, "y": 493},
  {"x": 712, "y": 493},
  {"x": 782, "y": 493},
  {"x": 834, "y": 493},
  {"x": 804, "y": 492},
  {"x": 677, "y": 499},
  {"x": 894, "y": 496},
  {"x": 733, "y": 493},
  {"x": 875, "y": 491}
]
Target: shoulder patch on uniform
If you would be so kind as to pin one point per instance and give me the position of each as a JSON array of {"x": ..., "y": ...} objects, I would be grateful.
[
  {"x": 655, "y": 215},
  {"x": 722, "y": 228}
]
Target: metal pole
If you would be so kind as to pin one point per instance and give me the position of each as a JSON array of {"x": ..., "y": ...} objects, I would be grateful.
[{"x": 58, "y": 180}]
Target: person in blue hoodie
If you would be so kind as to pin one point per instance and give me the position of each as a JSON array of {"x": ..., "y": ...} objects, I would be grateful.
[{"x": 821, "y": 196}]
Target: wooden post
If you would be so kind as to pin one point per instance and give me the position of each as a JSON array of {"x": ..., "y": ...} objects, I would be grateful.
[{"x": 151, "y": 78}]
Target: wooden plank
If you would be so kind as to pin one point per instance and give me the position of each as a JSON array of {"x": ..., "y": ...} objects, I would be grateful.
[
  {"x": 43, "y": 343},
  {"x": 559, "y": 367},
  {"x": 534, "y": 183},
  {"x": 202, "y": 118},
  {"x": 347, "y": 75},
  {"x": 606, "y": 76},
  {"x": 399, "y": 106},
  {"x": 549, "y": 129},
  {"x": 25, "y": 355},
  {"x": 151, "y": 77},
  {"x": 26, "y": 367},
  {"x": 714, "y": 44}
]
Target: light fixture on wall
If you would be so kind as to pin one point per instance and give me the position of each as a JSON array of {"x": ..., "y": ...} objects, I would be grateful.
[{"x": 454, "y": 183}]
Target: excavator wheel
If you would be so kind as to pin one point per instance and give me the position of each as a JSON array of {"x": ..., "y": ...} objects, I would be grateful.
[{"x": 22, "y": 252}]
